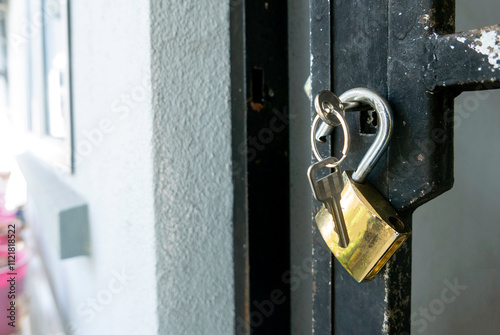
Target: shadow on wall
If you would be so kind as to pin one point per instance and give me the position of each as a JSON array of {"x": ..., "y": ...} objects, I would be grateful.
[{"x": 456, "y": 237}]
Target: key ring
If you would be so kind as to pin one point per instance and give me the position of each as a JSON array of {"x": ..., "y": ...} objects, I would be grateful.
[{"x": 345, "y": 129}]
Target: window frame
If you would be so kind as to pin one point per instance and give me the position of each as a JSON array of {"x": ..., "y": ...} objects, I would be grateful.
[{"x": 57, "y": 152}]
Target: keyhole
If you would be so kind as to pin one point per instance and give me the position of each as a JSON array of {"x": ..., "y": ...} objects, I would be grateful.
[
  {"x": 327, "y": 105},
  {"x": 368, "y": 122}
]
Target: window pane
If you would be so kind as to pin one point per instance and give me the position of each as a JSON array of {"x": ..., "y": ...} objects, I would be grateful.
[{"x": 56, "y": 69}]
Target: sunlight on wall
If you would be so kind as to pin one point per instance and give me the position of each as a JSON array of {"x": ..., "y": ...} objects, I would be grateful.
[{"x": 12, "y": 183}]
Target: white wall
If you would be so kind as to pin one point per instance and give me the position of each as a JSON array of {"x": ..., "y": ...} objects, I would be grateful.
[
  {"x": 111, "y": 81},
  {"x": 17, "y": 60},
  {"x": 155, "y": 169}
]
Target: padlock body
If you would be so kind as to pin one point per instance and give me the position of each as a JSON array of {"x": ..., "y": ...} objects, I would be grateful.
[{"x": 374, "y": 228}]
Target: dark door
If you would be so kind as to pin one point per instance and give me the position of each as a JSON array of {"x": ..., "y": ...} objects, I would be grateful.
[{"x": 410, "y": 53}]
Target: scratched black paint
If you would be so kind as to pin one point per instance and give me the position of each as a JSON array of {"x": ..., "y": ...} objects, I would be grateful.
[{"x": 409, "y": 52}]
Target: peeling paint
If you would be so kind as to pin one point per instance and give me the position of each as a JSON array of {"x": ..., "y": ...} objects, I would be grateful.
[
  {"x": 425, "y": 18},
  {"x": 385, "y": 324},
  {"x": 487, "y": 44}
]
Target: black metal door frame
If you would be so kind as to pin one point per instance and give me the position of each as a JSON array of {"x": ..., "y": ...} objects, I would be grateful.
[
  {"x": 260, "y": 123},
  {"x": 409, "y": 52}
]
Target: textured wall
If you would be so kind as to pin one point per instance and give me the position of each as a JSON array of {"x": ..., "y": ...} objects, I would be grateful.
[{"x": 193, "y": 180}]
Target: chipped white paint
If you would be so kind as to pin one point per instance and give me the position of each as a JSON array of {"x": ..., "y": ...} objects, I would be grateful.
[
  {"x": 487, "y": 44},
  {"x": 426, "y": 19},
  {"x": 385, "y": 325}
]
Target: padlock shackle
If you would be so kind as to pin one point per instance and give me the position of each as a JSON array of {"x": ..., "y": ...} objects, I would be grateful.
[{"x": 384, "y": 133}]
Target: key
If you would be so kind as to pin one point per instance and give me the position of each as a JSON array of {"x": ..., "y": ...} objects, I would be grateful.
[
  {"x": 327, "y": 190},
  {"x": 326, "y": 101}
]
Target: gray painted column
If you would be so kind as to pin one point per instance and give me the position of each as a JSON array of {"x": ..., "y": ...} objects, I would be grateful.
[{"x": 192, "y": 163}]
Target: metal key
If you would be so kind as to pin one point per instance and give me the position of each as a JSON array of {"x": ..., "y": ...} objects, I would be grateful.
[
  {"x": 326, "y": 101},
  {"x": 327, "y": 190}
]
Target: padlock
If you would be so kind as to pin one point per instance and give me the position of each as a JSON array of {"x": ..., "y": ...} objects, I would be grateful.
[{"x": 374, "y": 227}]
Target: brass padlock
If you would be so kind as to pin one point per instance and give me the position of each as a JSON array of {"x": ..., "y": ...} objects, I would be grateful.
[{"x": 373, "y": 225}]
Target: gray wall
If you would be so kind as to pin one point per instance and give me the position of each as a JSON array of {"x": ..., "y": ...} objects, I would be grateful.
[
  {"x": 193, "y": 172},
  {"x": 456, "y": 237}
]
